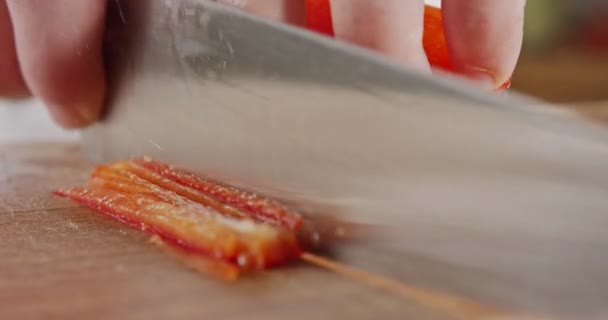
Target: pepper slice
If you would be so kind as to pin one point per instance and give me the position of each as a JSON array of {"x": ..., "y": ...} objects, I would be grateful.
[
  {"x": 318, "y": 18},
  {"x": 258, "y": 207},
  {"x": 179, "y": 214}
]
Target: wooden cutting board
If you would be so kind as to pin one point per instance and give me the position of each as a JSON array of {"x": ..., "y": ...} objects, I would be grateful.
[{"x": 61, "y": 261}]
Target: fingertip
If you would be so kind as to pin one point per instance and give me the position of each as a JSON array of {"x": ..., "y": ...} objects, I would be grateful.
[
  {"x": 59, "y": 48},
  {"x": 65, "y": 118},
  {"x": 71, "y": 85},
  {"x": 484, "y": 38},
  {"x": 76, "y": 114}
]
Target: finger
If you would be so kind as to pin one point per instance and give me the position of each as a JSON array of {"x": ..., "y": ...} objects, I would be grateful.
[
  {"x": 290, "y": 11},
  {"x": 393, "y": 27},
  {"x": 484, "y": 37},
  {"x": 59, "y": 48},
  {"x": 11, "y": 81}
]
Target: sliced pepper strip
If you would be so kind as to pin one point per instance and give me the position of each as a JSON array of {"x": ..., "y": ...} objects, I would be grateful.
[
  {"x": 261, "y": 208},
  {"x": 217, "y": 268},
  {"x": 118, "y": 192}
]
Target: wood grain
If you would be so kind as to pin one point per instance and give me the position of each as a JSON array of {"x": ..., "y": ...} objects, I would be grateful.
[{"x": 61, "y": 261}]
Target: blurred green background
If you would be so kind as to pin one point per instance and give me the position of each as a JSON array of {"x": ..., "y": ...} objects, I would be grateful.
[{"x": 565, "y": 52}]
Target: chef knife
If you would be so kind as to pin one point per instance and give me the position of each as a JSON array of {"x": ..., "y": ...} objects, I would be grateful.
[{"x": 490, "y": 182}]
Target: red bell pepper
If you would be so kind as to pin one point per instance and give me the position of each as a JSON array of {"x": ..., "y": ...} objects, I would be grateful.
[{"x": 318, "y": 16}]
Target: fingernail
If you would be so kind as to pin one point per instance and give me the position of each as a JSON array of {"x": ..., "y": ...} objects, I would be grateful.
[
  {"x": 74, "y": 117},
  {"x": 482, "y": 77},
  {"x": 87, "y": 113}
]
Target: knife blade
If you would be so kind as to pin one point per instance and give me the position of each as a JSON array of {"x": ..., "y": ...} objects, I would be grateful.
[{"x": 501, "y": 183}]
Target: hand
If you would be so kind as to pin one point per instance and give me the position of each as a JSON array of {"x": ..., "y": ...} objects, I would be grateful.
[
  {"x": 51, "y": 49},
  {"x": 484, "y": 37}
]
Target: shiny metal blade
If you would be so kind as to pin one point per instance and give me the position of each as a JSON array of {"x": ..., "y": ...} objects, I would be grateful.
[{"x": 502, "y": 185}]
